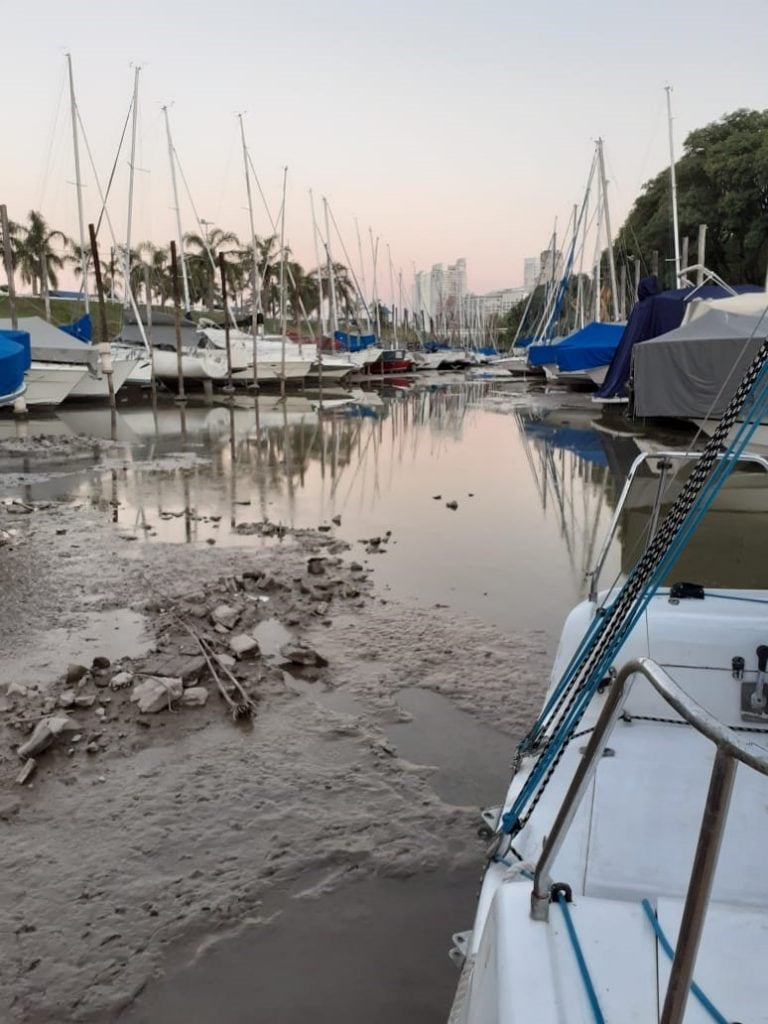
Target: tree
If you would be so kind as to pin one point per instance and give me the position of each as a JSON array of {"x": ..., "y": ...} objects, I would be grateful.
[
  {"x": 722, "y": 181},
  {"x": 35, "y": 251},
  {"x": 202, "y": 275}
]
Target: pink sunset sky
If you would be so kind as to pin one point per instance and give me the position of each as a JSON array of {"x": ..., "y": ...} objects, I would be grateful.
[{"x": 450, "y": 129}]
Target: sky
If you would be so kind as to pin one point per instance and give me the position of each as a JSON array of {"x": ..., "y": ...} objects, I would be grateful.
[{"x": 445, "y": 129}]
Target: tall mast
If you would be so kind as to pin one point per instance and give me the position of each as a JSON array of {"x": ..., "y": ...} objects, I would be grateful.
[
  {"x": 172, "y": 158},
  {"x": 283, "y": 324},
  {"x": 609, "y": 238},
  {"x": 673, "y": 183},
  {"x": 362, "y": 275},
  {"x": 321, "y": 307},
  {"x": 374, "y": 255},
  {"x": 132, "y": 166},
  {"x": 255, "y": 284},
  {"x": 598, "y": 243},
  {"x": 331, "y": 278},
  {"x": 78, "y": 182},
  {"x": 392, "y": 293}
]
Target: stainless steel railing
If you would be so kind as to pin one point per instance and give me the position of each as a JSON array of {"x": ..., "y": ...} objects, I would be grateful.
[{"x": 731, "y": 748}]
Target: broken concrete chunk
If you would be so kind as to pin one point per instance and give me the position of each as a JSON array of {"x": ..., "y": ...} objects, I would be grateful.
[
  {"x": 155, "y": 693},
  {"x": 194, "y": 697},
  {"x": 16, "y": 690},
  {"x": 301, "y": 654},
  {"x": 85, "y": 700},
  {"x": 26, "y": 772},
  {"x": 67, "y": 698},
  {"x": 44, "y": 733},
  {"x": 75, "y": 673},
  {"x": 244, "y": 646},
  {"x": 188, "y": 667},
  {"x": 226, "y": 660},
  {"x": 225, "y": 615},
  {"x": 120, "y": 680}
]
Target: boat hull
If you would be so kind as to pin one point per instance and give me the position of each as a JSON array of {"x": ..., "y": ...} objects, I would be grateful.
[{"x": 50, "y": 383}]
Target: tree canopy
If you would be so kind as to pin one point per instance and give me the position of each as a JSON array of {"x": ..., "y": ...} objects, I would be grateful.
[{"x": 722, "y": 181}]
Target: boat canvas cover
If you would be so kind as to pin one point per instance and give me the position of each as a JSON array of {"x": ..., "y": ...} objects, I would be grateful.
[
  {"x": 163, "y": 335},
  {"x": 353, "y": 342},
  {"x": 14, "y": 360},
  {"x": 50, "y": 345},
  {"x": 655, "y": 313},
  {"x": 81, "y": 329},
  {"x": 592, "y": 346},
  {"x": 693, "y": 371}
]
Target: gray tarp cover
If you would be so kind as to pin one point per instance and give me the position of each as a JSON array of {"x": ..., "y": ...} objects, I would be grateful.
[
  {"x": 51, "y": 345},
  {"x": 693, "y": 371}
]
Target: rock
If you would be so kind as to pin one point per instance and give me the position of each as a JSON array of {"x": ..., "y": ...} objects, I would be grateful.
[
  {"x": 101, "y": 713},
  {"x": 316, "y": 566},
  {"x": 100, "y": 663},
  {"x": 436, "y": 497},
  {"x": 189, "y": 668},
  {"x": 44, "y": 733},
  {"x": 322, "y": 608},
  {"x": 226, "y": 660},
  {"x": 75, "y": 673},
  {"x": 356, "y": 567},
  {"x": 453, "y": 505},
  {"x": 244, "y": 646},
  {"x": 324, "y": 528},
  {"x": 336, "y": 520},
  {"x": 16, "y": 690},
  {"x": 298, "y": 653},
  {"x": 67, "y": 698},
  {"x": 85, "y": 700},
  {"x": 225, "y": 615},
  {"x": 92, "y": 747},
  {"x": 26, "y": 772},
  {"x": 9, "y": 807},
  {"x": 350, "y": 592},
  {"x": 120, "y": 680},
  {"x": 155, "y": 693},
  {"x": 102, "y": 680},
  {"x": 194, "y": 697}
]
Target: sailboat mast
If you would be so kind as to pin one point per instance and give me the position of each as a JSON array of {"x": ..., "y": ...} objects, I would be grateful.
[
  {"x": 609, "y": 238},
  {"x": 78, "y": 182},
  {"x": 673, "y": 184},
  {"x": 362, "y": 275},
  {"x": 331, "y": 278},
  {"x": 598, "y": 244},
  {"x": 172, "y": 158},
  {"x": 374, "y": 256},
  {"x": 132, "y": 166},
  {"x": 283, "y": 325},
  {"x": 321, "y": 307},
  {"x": 255, "y": 282},
  {"x": 392, "y": 293}
]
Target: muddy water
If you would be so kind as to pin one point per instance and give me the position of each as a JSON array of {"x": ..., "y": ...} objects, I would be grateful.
[{"x": 535, "y": 478}]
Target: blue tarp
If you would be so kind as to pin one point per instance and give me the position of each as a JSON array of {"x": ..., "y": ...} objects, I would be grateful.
[
  {"x": 588, "y": 444},
  {"x": 354, "y": 342},
  {"x": 594, "y": 345},
  {"x": 436, "y": 346},
  {"x": 81, "y": 329},
  {"x": 15, "y": 357},
  {"x": 541, "y": 355},
  {"x": 654, "y": 313}
]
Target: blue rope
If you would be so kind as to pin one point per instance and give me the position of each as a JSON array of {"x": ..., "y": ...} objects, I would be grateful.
[
  {"x": 664, "y": 943},
  {"x": 703, "y": 500},
  {"x": 584, "y": 970}
]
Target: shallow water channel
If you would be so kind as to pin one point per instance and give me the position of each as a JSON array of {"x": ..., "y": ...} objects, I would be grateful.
[{"x": 493, "y": 499}]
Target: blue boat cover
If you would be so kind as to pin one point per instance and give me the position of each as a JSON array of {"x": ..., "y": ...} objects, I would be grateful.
[
  {"x": 354, "y": 342},
  {"x": 15, "y": 357},
  {"x": 541, "y": 355},
  {"x": 436, "y": 346},
  {"x": 594, "y": 345},
  {"x": 654, "y": 313},
  {"x": 81, "y": 329},
  {"x": 588, "y": 444}
]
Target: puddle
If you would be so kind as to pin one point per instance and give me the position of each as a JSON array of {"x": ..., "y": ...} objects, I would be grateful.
[
  {"x": 114, "y": 634},
  {"x": 375, "y": 951},
  {"x": 473, "y": 759}
]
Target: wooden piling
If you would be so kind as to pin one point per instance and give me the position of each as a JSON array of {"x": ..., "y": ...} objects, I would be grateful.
[
  {"x": 181, "y": 397},
  {"x": 106, "y": 360}
]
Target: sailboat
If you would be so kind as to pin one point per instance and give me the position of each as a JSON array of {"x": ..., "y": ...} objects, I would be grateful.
[{"x": 624, "y": 877}]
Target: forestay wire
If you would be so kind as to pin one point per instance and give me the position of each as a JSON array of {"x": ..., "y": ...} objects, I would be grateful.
[{"x": 611, "y": 626}]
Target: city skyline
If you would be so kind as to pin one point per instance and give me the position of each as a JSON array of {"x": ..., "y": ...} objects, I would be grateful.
[{"x": 442, "y": 138}]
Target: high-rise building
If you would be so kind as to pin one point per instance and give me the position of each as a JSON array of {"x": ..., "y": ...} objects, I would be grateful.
[
  {"x": 551, "y": 265},
  {"x": 438, "y": 293},
  {"x": 531, "y": 268}
]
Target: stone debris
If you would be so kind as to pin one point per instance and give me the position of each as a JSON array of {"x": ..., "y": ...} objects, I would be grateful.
[
  {"x": 26, "y": 772},
  {"x": 298, "y": 653},
  {"x": 44, "y": 733},
  {"x": 194, "y": 697},
  {"x": 316, "y": 566},
  {"x": 225, "y": 615},
  {"x": 336, "y": 520},
  {"x": 120, "y": 680},
  {"x": 226, "y": 660},
  {"x": 244, "y": 646},
  {"x": 75, "y": 673},
  {"x": 85, "y": 700},
  {"x": 155, "y": 693},
  {"x": 453, "y": 505},
  {"x": 67, "y": 698},
  {"x": 16, "y": 690},
  {"x": 101, "y": 663}
]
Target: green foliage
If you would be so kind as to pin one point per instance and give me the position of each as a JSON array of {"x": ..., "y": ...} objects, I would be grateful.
[{"x": 722, "y": 181}]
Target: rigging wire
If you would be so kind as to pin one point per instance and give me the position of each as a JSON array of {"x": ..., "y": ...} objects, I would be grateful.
[{"x": 43, "y": 183}]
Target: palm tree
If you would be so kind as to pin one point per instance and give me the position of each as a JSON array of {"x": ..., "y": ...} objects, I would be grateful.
[
  {"x": 150, "y": 263},
  {"x": 37, "y": 260},
  {"x": 14, "y": 231},
  {"x": 202, "y": 275}
]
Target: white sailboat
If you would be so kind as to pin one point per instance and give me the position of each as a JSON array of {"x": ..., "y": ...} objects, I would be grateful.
[{"x": 624, "y": 879}]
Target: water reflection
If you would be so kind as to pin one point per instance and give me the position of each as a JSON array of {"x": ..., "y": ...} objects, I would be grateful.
[{"x": 536, "y": 478}]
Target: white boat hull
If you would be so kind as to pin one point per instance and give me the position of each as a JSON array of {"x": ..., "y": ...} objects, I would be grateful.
[
  {"x": 97, "y": 387},
  {"x": 50, "y": 383},
  {"x": 202, "y": 365}
]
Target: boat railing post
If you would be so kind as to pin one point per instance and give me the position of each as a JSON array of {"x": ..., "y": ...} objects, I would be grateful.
[
  {"x": 542, "y": 882},
  {"x": 700, "y": 886}
]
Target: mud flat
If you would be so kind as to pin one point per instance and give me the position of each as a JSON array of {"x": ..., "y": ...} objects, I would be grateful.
[{"x": 224, "y": 755}]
